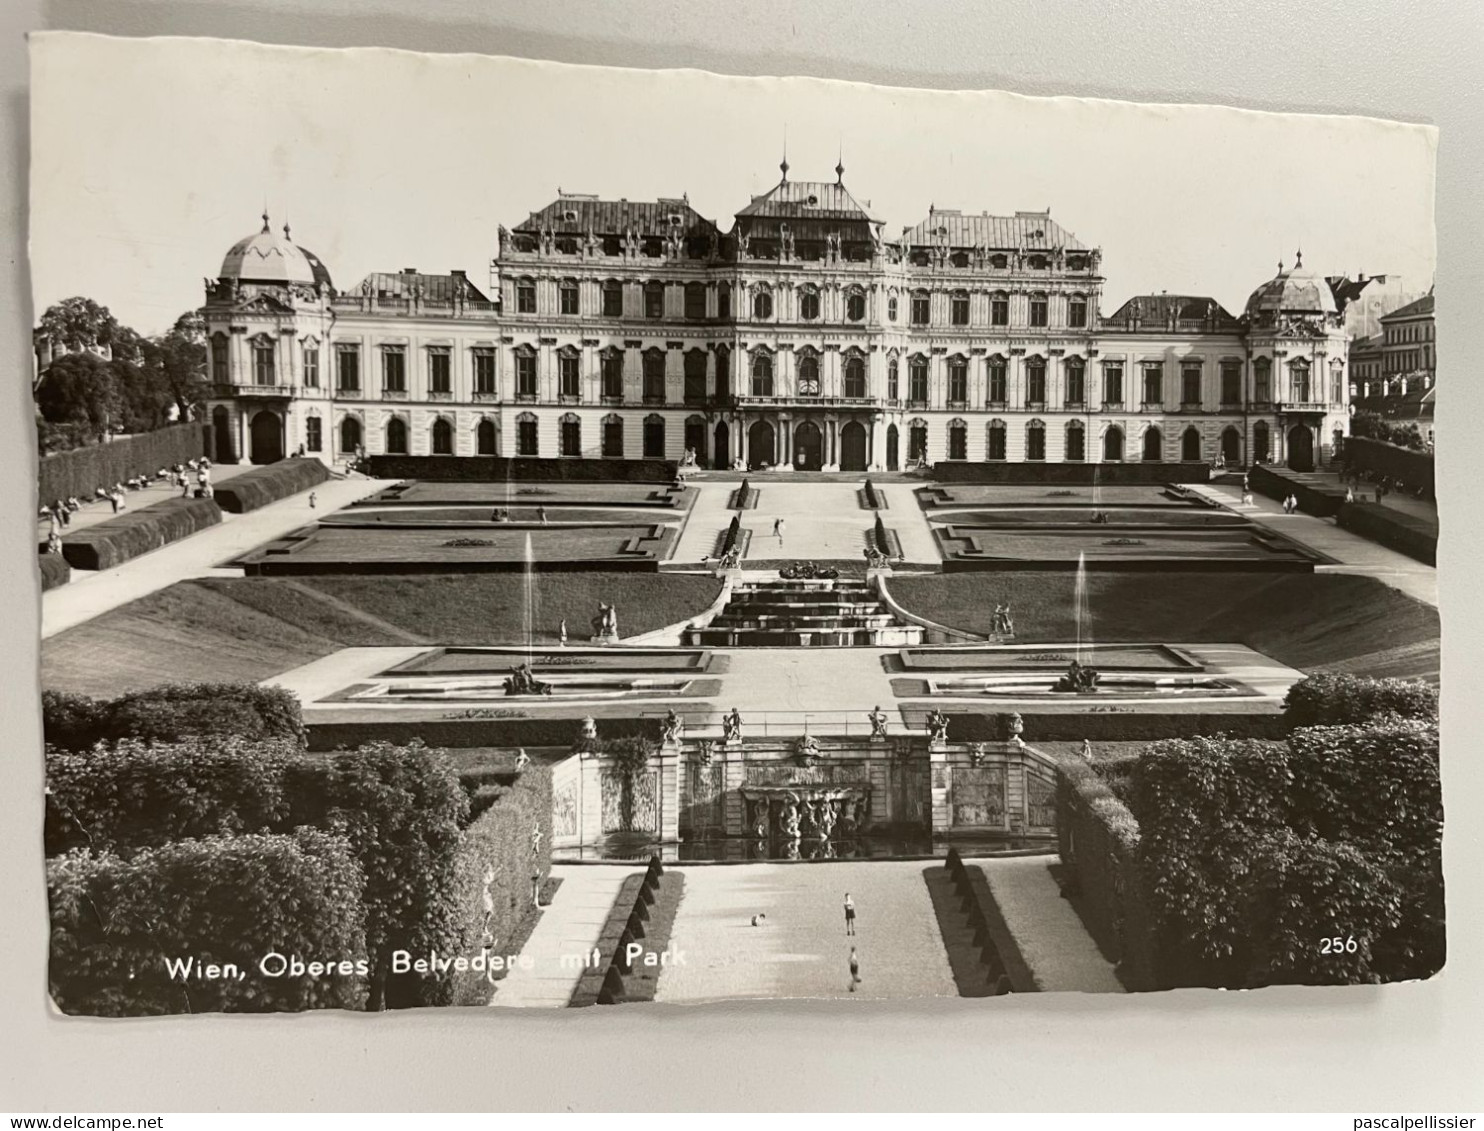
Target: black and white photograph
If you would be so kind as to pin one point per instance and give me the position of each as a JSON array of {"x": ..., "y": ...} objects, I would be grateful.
[{"x": 526, "y": 536}]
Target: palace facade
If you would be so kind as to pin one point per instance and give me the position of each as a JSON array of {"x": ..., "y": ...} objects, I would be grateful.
[{"x": 803, "y": 337}]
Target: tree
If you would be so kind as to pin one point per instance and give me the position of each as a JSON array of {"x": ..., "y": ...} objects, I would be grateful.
[
  {"x": 179, "y": 355},
  {"x": 79, "y": 324},
  {"x": 80, "y": 389}
]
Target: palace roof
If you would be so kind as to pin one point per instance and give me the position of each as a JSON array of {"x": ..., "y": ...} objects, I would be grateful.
[
  {"x": 1024, "y": 230},
  {"x": 436, "y": 289},
  {"x": 267, "y": 257},
  {"x": 1158, "y": 309},
  {"x": 808, "y": 200},
  {"x": 1417, "y": 308},
  {"x": 574, "y": 214}
]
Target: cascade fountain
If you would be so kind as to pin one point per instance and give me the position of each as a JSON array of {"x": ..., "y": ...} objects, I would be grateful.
[
  {"x": 528, "y": 573},
  {"x": 1079, "y": 678}
]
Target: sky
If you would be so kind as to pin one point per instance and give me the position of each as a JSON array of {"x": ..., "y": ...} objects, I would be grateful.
[{"x": 150, "y": 158}]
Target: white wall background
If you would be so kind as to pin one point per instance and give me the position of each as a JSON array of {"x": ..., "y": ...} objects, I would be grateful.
[{"x": 1384, "y": 1049}]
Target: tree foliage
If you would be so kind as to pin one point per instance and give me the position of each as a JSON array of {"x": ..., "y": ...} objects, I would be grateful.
[{"x": 1338, "y": 698}]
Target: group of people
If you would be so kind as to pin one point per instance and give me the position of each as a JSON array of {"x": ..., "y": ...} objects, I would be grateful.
[
  {"x": 59, "y": 512},
  {"x": 1291, "y": 504}
]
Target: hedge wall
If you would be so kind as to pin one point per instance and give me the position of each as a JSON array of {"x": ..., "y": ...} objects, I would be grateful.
[
  {"x": 1398, "y": 530},
  {"x": 1105, "y": 474},
  {"x": 232, "y": 899},
  {"x": 499, "y": 469},
  {"x": 1115, "y": 726},
  {"x": 1411, "y": 468},
  {"x": 1315, "y": 496},
  {"x": 502, "y": 850},
  {"x": 1339, "y": 698},
  {"x": 81, "y": 470},
  {"x": 131, "y": 533},
  {"x": 54, "y": 570},
  {"x": 264, "y": 485},
  {"x": 1098, "y": 840},
  {"x": 174, "y": 712},
  {"x": 462, "y": 733}
]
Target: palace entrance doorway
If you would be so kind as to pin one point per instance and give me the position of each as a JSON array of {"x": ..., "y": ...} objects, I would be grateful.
[
  {"x": 808, "y": 447},
  {"x": 266, "y": 438},
  {"x": 1300, "y": 448},
  {"x": 723, "y": 457},
  {"x": 892, "y": 459},
  {"x": 762, "y": 445},
  {"x": 853, "y": 447}
]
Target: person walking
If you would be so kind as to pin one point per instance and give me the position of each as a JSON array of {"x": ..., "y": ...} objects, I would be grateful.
[
  {"x": 541, "y": 513},
  {"x": 849, "y": 915},
  {"x": 855, "y": 970},
  {"x": 312, "y": 498},
  {"x": 778, "y": 530}
]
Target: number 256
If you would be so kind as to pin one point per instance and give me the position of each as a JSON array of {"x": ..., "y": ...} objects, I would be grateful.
[{"x": 1337, "y": 945}]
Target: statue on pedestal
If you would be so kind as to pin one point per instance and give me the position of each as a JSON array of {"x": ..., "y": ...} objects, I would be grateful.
[
  {"x": 731, "y": 726},
  {"x": 670, "y": 728},
  {"x": 1078, "y": 680},
  {"x": 605, "y": 624},
  {"x": 937, "y": 723},
  {"x": 522, "y": 681},
  {"x": 1014, "y": 726},
  {"x": 878, "y": 722}
]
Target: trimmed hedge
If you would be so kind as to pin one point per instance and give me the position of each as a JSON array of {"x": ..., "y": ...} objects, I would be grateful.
[
  {"x": 521, "y": 469},
  {"x": 1098, "y": 840},
  {"x": 1338, "y": 698},
  {"x": 500, "y": 854},
  {"x": 81, "y": 470},
  {"x": 232, "y": 899},
  {"x": 463, "y": 733},
  {"x": 264, "y": 485},
  {"x": 1315, "y": 495},
  {"x": 1104, "y": 474},
  {"x": 172, "y": 713},
  {"x": 131, "y": 533},
  {"x": 54, "y": 571},
  {"x": 1110, "y": 726},
  {"x": 1397, "y": 530},
  {"x": 1413, "y": 469}
]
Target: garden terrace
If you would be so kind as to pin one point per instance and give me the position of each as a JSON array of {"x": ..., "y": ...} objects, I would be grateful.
[
  {"x": 420, "y": 493},
  {"x": 479, "y": 518},
  {"x": 1081, "y": 496},
  {"x": 254, "y": 628},
  {"x": 336, "y": 550},
  {"x": 1124, "y": 546}
]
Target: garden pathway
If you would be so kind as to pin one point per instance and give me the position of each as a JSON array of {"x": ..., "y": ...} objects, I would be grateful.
[
  {"x": 1353, "y": 553},
  {"x": 566, "y": 933},
  {"x": 92, "y": 513},
  {"x": 91, "y": 594},
  {"x": 1052, "y": 940},
  {"x": 800, "y": 949}
]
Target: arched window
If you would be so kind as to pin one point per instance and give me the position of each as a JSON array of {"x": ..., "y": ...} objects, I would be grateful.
[
  {"x": 263, "y": 366},
  {"x": 396, "y": 436},
  {"x": 809, "y": 375},
  {"x": 762, "y": 374},
  {"x": 855, "y": 376},
  {"x": 1261, "y": 445},
  {"x": 999, "y": 382},
  {"x": 1076, "y": 442},
  {"x": 654, "y": 436},
  {"x": 526, "y": 442},
  {"x": 917, "y": 440},
  {"x": 724, "y": 300},
  {"x": 855, "y": 305},
  {"x": 1153, "y": 445},
  {"x": 994, "y": 445},
  {"x": 1336, "y": 382},
  {"x": 1035, "y": 440},
  {"x": 958, "y": 440},
  {"x": 1231, "y": 446},
  {"x": 893, "y": 380},
  {"x": 891, "y": 308},
  {"x": 1298, "y": 380},
  {"x": 762, "y": 304},
  {"x": 1113, "y": 445},
  {"x": 809, "y": 304},
  {"x": 917, "y": 379},
  {"x": 350, "y": 435},
  {"x": 569, "y": 435},
  {"x": 613, "y": 436},
  {"x": 442, "y": 437},
  {"x": 484, "y": 438},
  {"x": 1190, "y": 445}
]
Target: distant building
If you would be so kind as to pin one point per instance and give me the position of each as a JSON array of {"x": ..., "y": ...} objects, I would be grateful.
[
  {"x": 801, "y": 338},
  {"x": 1401, "y": 363}
]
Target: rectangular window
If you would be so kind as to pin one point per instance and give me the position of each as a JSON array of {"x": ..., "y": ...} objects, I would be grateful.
[
  {"x": 571, "y": 303},
  {"x": 654, "y": 378},
  {"x": 525, "y": 438},
  {"x": 525, "y": 297},
  {"x": 998, "y": 383},
  {"x": 613, "y": 375},
  {"x": 999, "y": 310},
  {"x": 1190, "y": 386},
  {"x": 525, "y": 375},
  {"x": 1154, "y": 384},
  {"x": 567, "y": 373},
  {"x": 484, "y": 371},
  {"x": 921, "y": 309},
  {"x": 314, "y": 436},
  {"x": 1035, "y": 383},
  {"x": 219, "y": 360},
  {"x": 654, "y": 301},
  {"x": 960, "y": 310},
  {"x": 1231, "y": 382},
  {"x": 311, "y": 367},
  {"x": 1112, "y": 386},
  {"x": 571, "y": 438},
  {"x": 996, "y": 441},
  {"x": 917, "y": 382},
  {"x": 1262, "y": 381},
  {"x": 440, "y": 372},
  {"x": 724, "y": 302},
  {"x": 958, "y": 383},
  {"x": 612, "y": 300},
  {"x": 893, "y": 392},
  {"x": 1038, "y": 310},
  {"x": 1076, "y": 384},
  {"x": 394, "y": 371},
  {"x": 1077, "y": 313},
  {"x": 613, "y": 438},
  {"x": 348, "y": 368},
  {"x": 262, "y": 365},
  {"x": 695, "y": 301}
]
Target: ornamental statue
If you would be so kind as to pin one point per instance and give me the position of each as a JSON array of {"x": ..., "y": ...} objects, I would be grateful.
[
  {"x": 670, "y": 728},
  {"x": 522, "y": 681},
  {"x": 937, "y": 723},
  {"x": 807, "y": 749},
  {"x": 878, "y": 722},
  {"x": 731, "y": 726}
]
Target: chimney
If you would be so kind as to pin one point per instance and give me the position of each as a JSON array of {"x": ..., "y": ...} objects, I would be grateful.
[
  {"x": 458, "y": 273},
  {"x": 409, "y": 270}
]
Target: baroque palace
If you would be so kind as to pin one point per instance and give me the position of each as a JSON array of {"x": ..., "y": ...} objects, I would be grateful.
[{"x": 802, "y": 338}]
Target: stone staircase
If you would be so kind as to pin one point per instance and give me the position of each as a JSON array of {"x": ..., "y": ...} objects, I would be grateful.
[{"x": 808, "y": 614}]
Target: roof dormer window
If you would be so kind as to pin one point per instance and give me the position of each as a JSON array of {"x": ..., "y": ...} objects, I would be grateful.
[{"x": 570, "y": 216}]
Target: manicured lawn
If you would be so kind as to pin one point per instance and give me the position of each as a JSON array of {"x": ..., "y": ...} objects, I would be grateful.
[
  {"x": 1104, "y": 543},
  {"x": 554, "y": 543},
  {"x": 1041, "y": 494},
  {"x": 1341, "y": 621},
  {"x": 253, "y": 628},
  {"x": 1082, "y": 516},
  {"x": 423, "y": 493},
  {"x": 480, "y": 516}
]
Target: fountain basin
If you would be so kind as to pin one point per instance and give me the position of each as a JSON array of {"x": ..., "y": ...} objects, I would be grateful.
[{"x": 1111, "y": 686}]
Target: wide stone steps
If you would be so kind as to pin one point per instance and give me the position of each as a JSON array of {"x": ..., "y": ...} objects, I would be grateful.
[{"x": 804, "y": 614}]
